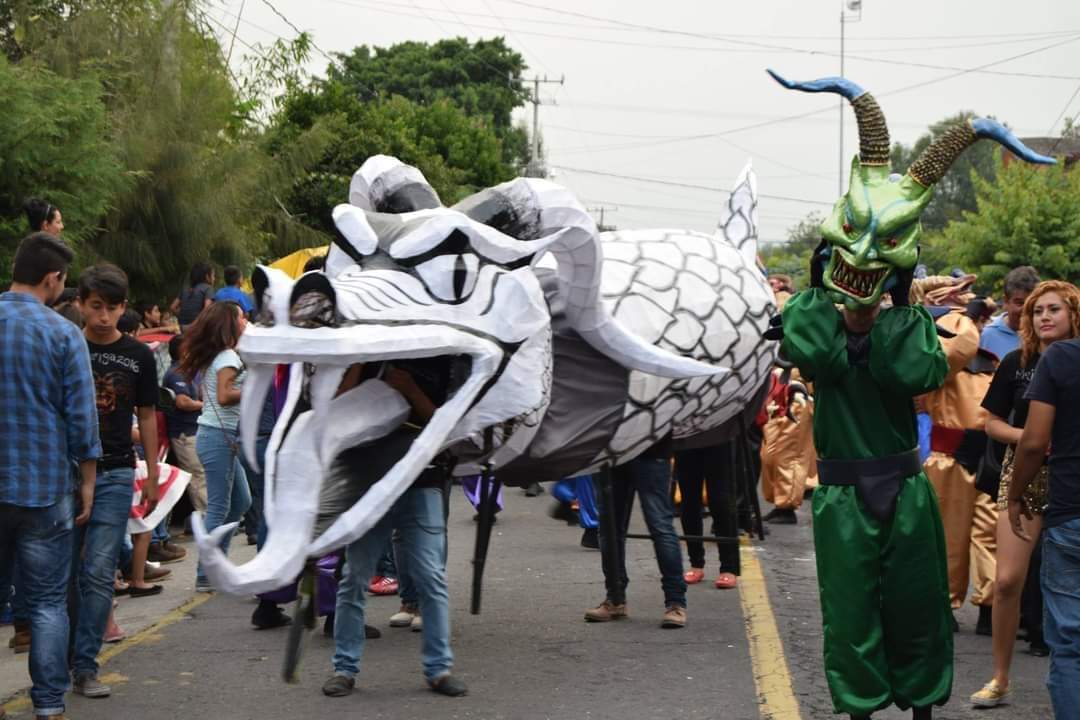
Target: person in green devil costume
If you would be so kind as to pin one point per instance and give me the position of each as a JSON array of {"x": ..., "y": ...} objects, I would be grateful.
[{"x": 877, "y": 532}]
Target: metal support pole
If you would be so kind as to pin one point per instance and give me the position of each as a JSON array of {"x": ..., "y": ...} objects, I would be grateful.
[
  {"x": 489, "y": 496},
  {"x": 722, "y": 540},
  {"x": 304, "y": 618}
]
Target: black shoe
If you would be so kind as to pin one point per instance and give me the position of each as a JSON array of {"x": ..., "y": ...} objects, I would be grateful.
[
  {"x": 563, "y": 511},
  {"x": 534, "y": 489},
  {"x": 1038, "y": 648},
  {"x": 926, "y": 712},
  {"x": 985, "y": 625},
  {"x": 252, "y": 540},
  {"x": 494, "y": 518},
  {"x": 372, "y": 633},
  {"x": 771, "y": 514},
  {"x": 449, "y": 685},
  {"x": 269, "y": 616},
  {"x": 328, "y": 625},
  {"x": 955, "y": 625},
  {"x": 781, "y": 517},
  {"x": 590, "y": 539}
]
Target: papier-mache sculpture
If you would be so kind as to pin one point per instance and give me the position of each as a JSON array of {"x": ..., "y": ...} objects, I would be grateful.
[{"x": 571, "y": 349}]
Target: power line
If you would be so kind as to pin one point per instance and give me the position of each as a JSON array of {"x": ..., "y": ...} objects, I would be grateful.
[
  {"x": 298, "y": 31},
  {"x": 636, "y": 178},
  {"x": 1063, "y": 111},
  {"x": 744, "y": 46},
  {"x": 799, "y": 116},
  {"x": 766, "y": 46}
]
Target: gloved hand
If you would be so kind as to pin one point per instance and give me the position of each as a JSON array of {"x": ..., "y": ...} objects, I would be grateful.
[
  {"x": 818, "y": 261},
  {"x": 901, "y": 290},
  {"x": 776, "y": 328}
]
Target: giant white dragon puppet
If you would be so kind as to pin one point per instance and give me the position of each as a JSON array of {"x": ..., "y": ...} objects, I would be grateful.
[{"x": 572, "y": 349}]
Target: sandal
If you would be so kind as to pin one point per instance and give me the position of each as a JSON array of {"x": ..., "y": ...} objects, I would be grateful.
[
  {"x": 693, "y": 576},
  {"x": 726, "y": 581}
]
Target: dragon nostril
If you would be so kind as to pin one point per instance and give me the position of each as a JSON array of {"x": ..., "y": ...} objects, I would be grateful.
[
  {"x": 313, "y": 302},
  {"x": 311, "y": 310}
]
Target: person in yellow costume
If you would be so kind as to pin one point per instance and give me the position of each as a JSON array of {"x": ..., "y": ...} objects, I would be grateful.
[{"x": 957, "y": 441}]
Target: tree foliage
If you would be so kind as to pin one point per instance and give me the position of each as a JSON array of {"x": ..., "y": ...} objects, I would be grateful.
[
  {"x": 481, "y": 78},
  {"x": 199, "y": 181},
  {"x": 128, "y": 116},
  {"x": 53, "y": 144},
  {"x": 424, "y": 104},
  {"x": 1029, "y": 216},
  {"x": 793, "y": 257}
]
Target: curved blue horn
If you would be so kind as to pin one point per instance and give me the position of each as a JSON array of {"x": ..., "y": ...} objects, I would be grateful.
[
  {"x": 837, "y": 85},
  {"x": 873, "y": 131},
  {"x": 993, "y": 130}
]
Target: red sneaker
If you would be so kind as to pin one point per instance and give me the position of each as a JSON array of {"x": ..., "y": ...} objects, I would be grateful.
[
  {"x": 693, "y": 576},
  {"x": 726, "y": 581},
  {"x": 381, "y": 585}
]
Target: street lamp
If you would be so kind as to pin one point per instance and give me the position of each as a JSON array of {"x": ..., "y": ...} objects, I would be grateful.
[{"x": 850, "y": 11}]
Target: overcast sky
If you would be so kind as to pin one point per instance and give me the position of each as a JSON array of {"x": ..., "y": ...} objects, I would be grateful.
[{"x": 645, "y": 79}]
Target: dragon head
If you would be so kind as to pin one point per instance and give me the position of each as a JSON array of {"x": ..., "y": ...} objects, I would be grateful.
[{"x": 873, "y": 233}]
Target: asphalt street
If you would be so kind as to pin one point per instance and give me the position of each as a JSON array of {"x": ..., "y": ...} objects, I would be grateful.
[{"x": 528, "y": 655}]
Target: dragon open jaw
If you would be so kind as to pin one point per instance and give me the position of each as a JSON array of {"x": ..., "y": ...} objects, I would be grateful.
[
  {"x": 305, "y": 442},
  {"x": 860, "y": 284}
]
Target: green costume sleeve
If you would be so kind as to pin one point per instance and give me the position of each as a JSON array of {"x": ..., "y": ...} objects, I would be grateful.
[
  {"x": 905, "y": 353},
  {"x": 814, "y": 337}
]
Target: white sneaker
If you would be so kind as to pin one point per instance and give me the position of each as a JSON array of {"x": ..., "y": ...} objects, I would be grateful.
[
  {"x": 404, "y": 617},
  {"x": 417, "y": 623}
]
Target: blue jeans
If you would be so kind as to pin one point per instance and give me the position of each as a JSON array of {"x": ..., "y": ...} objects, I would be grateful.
[
  {"x": 1061, "y": 623},
  {"x": 227, "y": 494},
  {"x": 651, "y": 478},
  {"x": 40, "y": 538},
  {"x": 418, "y": 515},
  {"x": 97, "y": 551},
  {"x": 406, "y": 587}
]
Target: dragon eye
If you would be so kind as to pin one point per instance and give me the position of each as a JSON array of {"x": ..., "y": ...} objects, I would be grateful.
[
  {"x": 848, "y": 228},
  {"x": 450, "y": 278},
  {"x": 891, "y": 242}
]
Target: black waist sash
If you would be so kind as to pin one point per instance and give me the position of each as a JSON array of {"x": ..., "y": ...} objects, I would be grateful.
[{"x": 877, "y": 480}]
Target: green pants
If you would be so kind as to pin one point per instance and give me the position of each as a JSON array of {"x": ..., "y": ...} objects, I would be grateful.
[{"x": 884, "y": 599}]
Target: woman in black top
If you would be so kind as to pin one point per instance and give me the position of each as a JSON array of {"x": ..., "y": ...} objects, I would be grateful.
[{"x": 1049, "y": 315}]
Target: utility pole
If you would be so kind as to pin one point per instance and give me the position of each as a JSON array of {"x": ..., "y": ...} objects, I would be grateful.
[
  {"x": 536, "y": 167},
  {"x": 601, "y": 209},
  {"x": 855, "y": 6}
]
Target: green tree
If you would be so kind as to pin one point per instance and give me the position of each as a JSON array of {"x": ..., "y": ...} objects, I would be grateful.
[
  {"x": 955, "y": 193},
  {"x": 1030, "y": 215},
  {"x": 457, "y": 154},
  {"x": 202, "y": 182},
  {"x": 54, "y": 145},
  {"x": 481, "y": 78},
  {"x": 793, "y": 257}
]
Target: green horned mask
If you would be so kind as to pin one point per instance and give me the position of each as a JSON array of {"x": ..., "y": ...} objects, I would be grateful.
[{"x": 872, "y": 235}]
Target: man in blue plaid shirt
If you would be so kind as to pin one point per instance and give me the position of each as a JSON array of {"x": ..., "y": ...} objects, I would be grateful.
[{"x": 48, "y": 421}]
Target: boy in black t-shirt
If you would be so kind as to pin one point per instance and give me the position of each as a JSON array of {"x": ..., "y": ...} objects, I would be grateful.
[
  {"x": 125, "y": 379},
  {"x": 1053, "y": 422}
]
